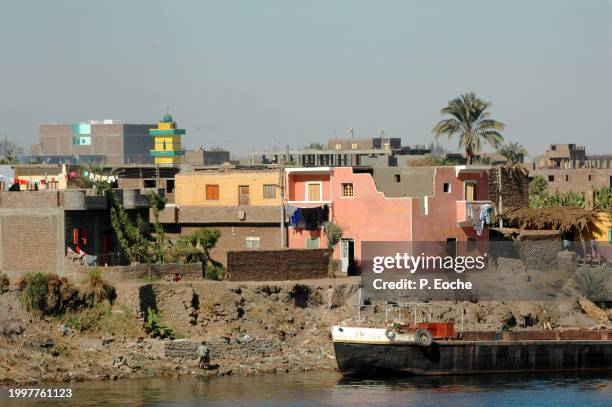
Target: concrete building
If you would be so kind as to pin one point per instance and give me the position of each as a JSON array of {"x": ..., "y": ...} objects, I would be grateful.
[
  {"x": 107, "y": 141},
  {"x": 202, "y": 157},
  {"x": 409, "y": 204},
  {"x": 344, "y": 152},
  {"x": 574, "y": 179},
  {"x": 244, "y": 204}
]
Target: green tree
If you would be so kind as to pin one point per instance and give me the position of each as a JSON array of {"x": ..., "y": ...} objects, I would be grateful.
[
  {"x": 196, "y": 247},
  {"x": 514, "y": 152},
  {"x": 471, "y": 121},
  {"x": 315, "y": 146},
  {"x": 333, "y": 234}
]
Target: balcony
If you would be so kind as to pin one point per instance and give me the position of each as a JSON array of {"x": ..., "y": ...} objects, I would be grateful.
[{"x": 468, "y": 212}]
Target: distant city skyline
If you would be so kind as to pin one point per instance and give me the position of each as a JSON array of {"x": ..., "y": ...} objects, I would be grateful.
[{"x": 261, "y": 75}]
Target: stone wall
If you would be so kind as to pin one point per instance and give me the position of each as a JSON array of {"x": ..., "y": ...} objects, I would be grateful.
[
  {"x": 165, "y": 271},
  {"x": 30, "y": 199},
  {"x": 274, "y": 265},
  {"x": 242, "y": 348}
]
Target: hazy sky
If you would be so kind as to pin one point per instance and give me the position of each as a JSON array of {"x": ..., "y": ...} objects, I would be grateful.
[{"x": 254, "y": 74}]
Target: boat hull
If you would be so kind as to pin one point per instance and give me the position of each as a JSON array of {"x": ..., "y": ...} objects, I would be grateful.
[{"x": 473, "y": 357}]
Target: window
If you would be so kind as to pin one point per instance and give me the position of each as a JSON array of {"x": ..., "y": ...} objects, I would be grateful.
[
  {"x": 347, "y": 190},
  {"x": 590, "y": 177},
  {"x": 447, "y": 187},
  {"x": 609, "y": 235},
  {"x": 385, "y": 146},
  {"x": 424, "y": 205},
  {"x": 472, "y": 244},
  {"x": 567, "y": 177},
  {"x": 553, "y": 147},
  {"x": 313, "y": 243},
  {"x": 338, "y": 146},
  {"x": 398, "y": 178},
  {"x": 212, "y": 192},
  {"x": 150, "y": 183},
  {"x": 551, "y": 178},
  {"x": 269, "y": 191},
  {"x": 313, "y": 191},
  {"x": 354, "y": 146},
  {"x": 253, "y": 242},
  {"x": 170, "y": 186}
]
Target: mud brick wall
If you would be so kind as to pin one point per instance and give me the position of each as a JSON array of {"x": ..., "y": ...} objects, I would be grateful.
[
  {"x": 514, "y": 188},
  {"x": 539, "y": 251},
  {"x": 276, "y": 265}
]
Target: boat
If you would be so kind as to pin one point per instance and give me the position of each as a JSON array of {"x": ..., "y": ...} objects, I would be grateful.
[{"x": 434, "y": 348}]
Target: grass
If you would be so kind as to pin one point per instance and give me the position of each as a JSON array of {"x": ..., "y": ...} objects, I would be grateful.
[
  {"x": 105, "y": 319},
  {"x": 593, "y": 282},
  {"x": 96, "y": 289},
  {"x": 34, "y": 288}
]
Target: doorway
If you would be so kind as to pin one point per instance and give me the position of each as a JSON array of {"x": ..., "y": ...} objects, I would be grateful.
[
  {"x": 451, "y": 246},
  {"x": 347, "y": 255},
  {"x": 470, "y": 191},
  {"x": 243, "y": 195}
]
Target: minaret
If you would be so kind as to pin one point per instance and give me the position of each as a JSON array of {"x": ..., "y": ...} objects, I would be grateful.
[{"x": 168, "y": 148}]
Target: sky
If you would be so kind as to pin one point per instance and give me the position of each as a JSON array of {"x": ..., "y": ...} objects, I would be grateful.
[{"x": 249, "y": 75}]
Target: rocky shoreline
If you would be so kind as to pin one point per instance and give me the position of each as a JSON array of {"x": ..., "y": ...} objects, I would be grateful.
[{"x": 249, "y": 328}]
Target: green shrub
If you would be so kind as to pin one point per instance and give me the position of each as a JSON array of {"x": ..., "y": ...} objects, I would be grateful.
[
  {"x": 4, "y": 283},
  {"x": 33, "y": 288},
  {"x": 214, "y": 272},
  {"x": 155, "y": 327},
  {"x": 593, "y": 282}
]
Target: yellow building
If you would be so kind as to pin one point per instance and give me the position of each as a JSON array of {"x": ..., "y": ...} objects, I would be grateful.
[
  {"x": 228, "y": 188},
  {"x": 603, "y": 228},
  {"x": 168, "y": 147}
]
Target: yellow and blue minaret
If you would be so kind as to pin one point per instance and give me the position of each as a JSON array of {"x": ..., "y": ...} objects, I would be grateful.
[{"x": 168, "y": 147}]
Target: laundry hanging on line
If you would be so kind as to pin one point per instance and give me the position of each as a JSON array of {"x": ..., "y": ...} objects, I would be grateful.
[{"x": 309, "y": 218}]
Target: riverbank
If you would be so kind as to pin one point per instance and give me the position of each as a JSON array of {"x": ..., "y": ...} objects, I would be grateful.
[{"x": 251, "y": 328}]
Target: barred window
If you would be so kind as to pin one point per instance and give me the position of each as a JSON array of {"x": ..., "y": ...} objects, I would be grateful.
[
  {"x": 252, "y": 242},
  {"x": 269, "y": 191},
  {"x": 347, "y": 190}
]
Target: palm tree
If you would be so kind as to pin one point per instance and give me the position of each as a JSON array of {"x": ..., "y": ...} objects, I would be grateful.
[
  {"x": 472, "y": 123},
  {"x": 514, "y": 152}
]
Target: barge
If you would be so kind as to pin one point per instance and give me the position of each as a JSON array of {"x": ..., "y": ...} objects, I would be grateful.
[{"x": 434, "y": 349}]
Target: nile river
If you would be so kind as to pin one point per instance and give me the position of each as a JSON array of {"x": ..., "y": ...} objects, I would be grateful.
[{"x": 330, "y": 389}]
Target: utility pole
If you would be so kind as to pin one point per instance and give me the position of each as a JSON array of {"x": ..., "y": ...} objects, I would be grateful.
[{"x": 282, "y": 194}]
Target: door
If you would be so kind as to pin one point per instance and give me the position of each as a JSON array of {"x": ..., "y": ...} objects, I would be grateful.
[
  {"x": 347, "y": 249},
  {"x": 470, "y": 191},
  {"x": 243, "y": 195},
  {"x": 314, "y": 192}
]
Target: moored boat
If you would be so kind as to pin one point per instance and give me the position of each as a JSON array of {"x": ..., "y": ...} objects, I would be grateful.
[{"x": 392, "y": 350}]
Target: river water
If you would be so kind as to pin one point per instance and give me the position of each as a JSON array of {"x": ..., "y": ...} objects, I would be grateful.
[{"x": 330, "y": 389}]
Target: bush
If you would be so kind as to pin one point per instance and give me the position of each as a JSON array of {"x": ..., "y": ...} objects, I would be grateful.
[
  {"x": 4, "y": 283},
  {"x": 48, "y": 294},
  {"x": 214, "y": 272},
  {"x": 34, "y": 289},
  {"x": 95, "y": 289},
  {"x": 592, "y": 282},
  {"x": 155, "y": 327}
]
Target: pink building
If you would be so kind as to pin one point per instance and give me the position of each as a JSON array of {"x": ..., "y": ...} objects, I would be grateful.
[{"x": 388, "y": 204}]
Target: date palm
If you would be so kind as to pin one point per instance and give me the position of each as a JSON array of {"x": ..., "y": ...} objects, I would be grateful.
[
  {"x": 514, "y": 152},
  {"x": 471, "y": 121}
]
